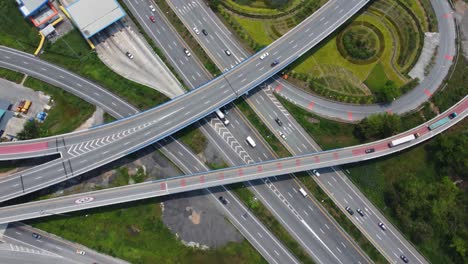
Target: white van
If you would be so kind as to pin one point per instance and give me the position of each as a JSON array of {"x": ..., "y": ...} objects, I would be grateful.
[
  {"x": 303, "y": 192},
  {"x": 251, "y": 142},
  {"x": 220, "y": 114}
]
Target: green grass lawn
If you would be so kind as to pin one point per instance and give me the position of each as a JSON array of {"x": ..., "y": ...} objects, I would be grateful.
[
  {"x": 135, "y": 232},
  {"x": 328, "y": 54},
  {"x": 11, "y": 75},
  {"x": 68, "y": 111},
  {"x": 15, "y": 31},
  {"x": 259, "y": 7},
  {"x": 257, "y": 29},
  {"x": 377, "y": 78},
  {"x": 72, "y": 52}
]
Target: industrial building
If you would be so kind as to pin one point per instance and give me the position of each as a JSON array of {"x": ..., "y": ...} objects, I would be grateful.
[{"x": 92, "y": 16}]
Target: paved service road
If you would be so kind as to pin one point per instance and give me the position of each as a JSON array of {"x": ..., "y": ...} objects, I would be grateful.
[
  {"x": 54, "y": 246},
  {"x": 230, "y": 175}
]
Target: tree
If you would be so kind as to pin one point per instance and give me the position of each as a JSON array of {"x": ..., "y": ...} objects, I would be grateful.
[
  {"x": 31, "y": 130},
  {"x": 449, "y": 153},
  {"x": 388, "y": 92},
  {"x": 378, "y": 126},
  {"x": 214, "y": 4}
]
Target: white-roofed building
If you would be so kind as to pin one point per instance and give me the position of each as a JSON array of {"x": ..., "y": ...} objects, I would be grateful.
[
  {"x": 28, "y": 7},
  {"x": 91, "y": 16}
]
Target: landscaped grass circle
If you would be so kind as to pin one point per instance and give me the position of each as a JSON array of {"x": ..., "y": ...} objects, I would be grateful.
[{"x": 360, "y": 43}]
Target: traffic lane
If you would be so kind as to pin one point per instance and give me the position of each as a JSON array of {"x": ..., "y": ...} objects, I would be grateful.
[
  {"x": 317, "y": 222},
  {"x": 118, "y": 150},
  {"x": 162, "y": 33},
  {"x": 265, "y": 241},
  {"x": 37, "y": 68},
  {"x": 317, "y": 159},
  {"x": 247, "y": 224},
  {"x": 159, "y": 34},
  {"x": 15, "y": 257},
  {"x": 53, "y": 245},
  {"x": 234, "y": 71},
  {"x": 232, "y": 124},
  {"x": 188, "y": 11},
  {"x": 214, "y": 178}
]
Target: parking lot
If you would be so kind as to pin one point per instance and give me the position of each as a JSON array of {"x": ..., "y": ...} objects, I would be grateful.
[{"x": 13, "y": 123}]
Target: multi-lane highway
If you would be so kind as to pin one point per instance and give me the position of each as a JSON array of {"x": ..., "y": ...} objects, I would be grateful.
[
  {"x": 195, "y": 14},
  {"x": 23, "y": 237},
  {"x": 90, "y": 144},
  {"x": 447, "y": 49},
  {"x": 229, "y": 175},
  {"x": 315, "y": 230}
]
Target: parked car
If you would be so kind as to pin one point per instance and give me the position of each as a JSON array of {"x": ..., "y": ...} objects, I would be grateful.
[
  {"x": 350, "y": 211},
  {"x": 187, "y": 52}
]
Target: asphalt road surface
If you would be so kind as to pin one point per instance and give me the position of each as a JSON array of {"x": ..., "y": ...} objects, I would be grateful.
[
  {"x": 299, "y": 217},
  {"x": 218, "y": 39},
  {"x": 229, "y": 175}
]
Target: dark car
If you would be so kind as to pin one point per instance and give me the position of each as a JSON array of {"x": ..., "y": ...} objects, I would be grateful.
[
  {"x": 404, "y": 258},
  {"x": 204, "y": 32},
  {"x": 453, "y": 115},
  {"x": 36, "y": 236},
  {"x": 350, "y": 211},
  {"x": 382, "y": 226},
  {"x": 278, "y": 121},
  {"x": 367, "y": 151},
  {"x": 222, "y": 200},
  {"x": 274, "y": 63},
  {"x": 360, "y": 212}
]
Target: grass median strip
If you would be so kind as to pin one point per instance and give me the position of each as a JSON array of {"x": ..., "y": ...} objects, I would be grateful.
[
  {"x": 271, "y": 139},
  {"x": 187, "y": 37}
]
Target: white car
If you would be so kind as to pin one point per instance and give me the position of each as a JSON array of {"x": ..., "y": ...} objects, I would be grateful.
[
  {"x": 282, "y": 135},
  {"x": 264, "y": 55},
  {"x": 80, "y": 252},
  {"x": 196, "y": 30},
  {"x": 382, "y": 226},
  {"x": 151, "y": 7},
  {"x": 316, "y": 173},
  {"x": 187, "y": 52}
]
